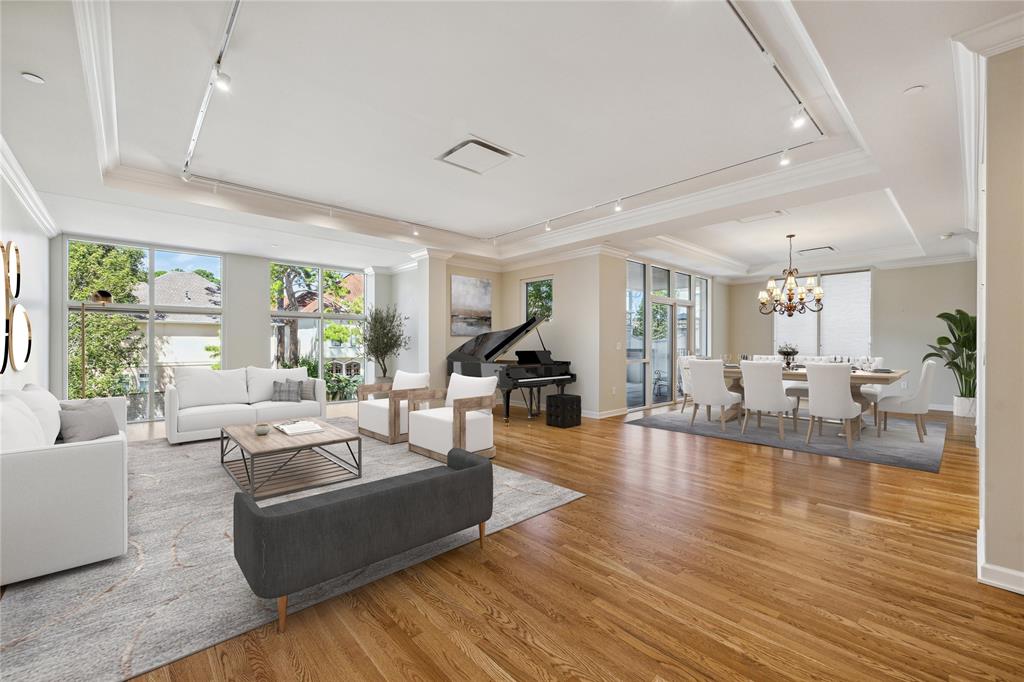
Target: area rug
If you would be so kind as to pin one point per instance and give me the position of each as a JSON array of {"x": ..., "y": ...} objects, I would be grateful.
[
  {"x": 179, "y": 589},
  {"x": 898, "y": 447}
]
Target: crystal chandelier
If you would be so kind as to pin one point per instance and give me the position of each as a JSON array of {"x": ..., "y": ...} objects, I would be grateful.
[{"x": 791, "y": 297}]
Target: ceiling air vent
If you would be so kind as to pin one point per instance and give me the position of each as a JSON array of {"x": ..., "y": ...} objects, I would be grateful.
[
  {"x": 816, "y": 249},
  {"x": 763, "y": 216},
  {"x": 476, "y": 156}
]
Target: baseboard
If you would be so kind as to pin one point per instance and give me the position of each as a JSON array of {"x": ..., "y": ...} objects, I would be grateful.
[
  {"x": 591, "y": 414},
  {"x": 940, "y": 408},
  {"x": 1004, "y": 578}
]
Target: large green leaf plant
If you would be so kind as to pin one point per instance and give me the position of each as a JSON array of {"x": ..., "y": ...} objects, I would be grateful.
[{"x": 959, "y": 350}]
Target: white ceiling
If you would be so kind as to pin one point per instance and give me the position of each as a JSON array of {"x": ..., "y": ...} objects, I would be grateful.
[{"x": 350, "y": 103}]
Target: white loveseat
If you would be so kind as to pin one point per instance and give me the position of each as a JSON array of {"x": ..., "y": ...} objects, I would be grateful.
[
  {"x": 61, "y": 504},
  {"x": 202, "y": 400}
]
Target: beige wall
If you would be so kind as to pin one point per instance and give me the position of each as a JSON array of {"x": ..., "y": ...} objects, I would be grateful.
[
  {"x": 1003, "y": 451},
  {"x": 406, "y": 297},
  {"x": 720, "y": 322},
  {"x": 904, "y": 303}
]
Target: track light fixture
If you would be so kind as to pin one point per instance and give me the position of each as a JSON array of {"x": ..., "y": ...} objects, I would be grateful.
[
  {"x": 798, "y": 119},
  {"x": 547, "y": 226},
  {"x": 221, "y": 80},
  {"x": 784, "y": 159},
  {"x": 618, "y": 205}
]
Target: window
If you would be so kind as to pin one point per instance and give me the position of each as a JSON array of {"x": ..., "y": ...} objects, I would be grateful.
[
  {"x": 700, "y": 317},
  {"x": 682, "y": 286},
  {"x": 317, "y": 323},
  {"x": 164, "y": 314},
  {"x": 636, "y": 334},
  {"x": 659, "y": 281},
  {"x": 539, "y": 298},
  {"x": 842, "y": 328}
]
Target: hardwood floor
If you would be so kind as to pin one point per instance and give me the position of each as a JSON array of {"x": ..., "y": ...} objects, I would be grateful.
[{"x": 689, "y": 558}]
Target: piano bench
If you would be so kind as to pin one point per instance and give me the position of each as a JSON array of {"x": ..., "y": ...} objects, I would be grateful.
[{"x": 564, "y": 410}]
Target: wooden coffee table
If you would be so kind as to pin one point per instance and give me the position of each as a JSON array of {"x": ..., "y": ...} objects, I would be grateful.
[{"x": 276, "y": 464}]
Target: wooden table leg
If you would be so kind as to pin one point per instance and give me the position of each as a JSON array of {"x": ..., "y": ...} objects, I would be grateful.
[{"x": 282, "y": 612}]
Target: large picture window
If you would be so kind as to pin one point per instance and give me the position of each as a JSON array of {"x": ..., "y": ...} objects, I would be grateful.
[
  {"x": 317, "y": 323},
  {"x": 164, "y": 313},
  {"x": 842, "y": 328}
]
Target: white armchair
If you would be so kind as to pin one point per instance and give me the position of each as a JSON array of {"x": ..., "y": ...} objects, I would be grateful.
[
  {"x": 383, "y": 408},
  {"x": 708, "y": 384},
  {"x": 830, "y": 398},
  {"x": 64, "y": 505},
  {"x": 465, "y": 421},
  {"x": 915, "y": 404}
]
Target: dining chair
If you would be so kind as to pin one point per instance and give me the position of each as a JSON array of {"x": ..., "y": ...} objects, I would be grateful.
[
  {"x": 683, "y": 365},
  {"x": 875, "y": 392},
  {"x": 829, "y": 397},
  {"x": 763, "y": 392},
  {"x": 916, "y": 403},
  {"x": 708, "y": 379}
]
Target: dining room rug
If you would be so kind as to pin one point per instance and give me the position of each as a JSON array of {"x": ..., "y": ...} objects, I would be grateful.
[
  {"x": 179, "y": 589},
  {"x": 898, "y": 447}
]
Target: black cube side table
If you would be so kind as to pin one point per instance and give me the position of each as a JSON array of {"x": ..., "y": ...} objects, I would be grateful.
[{"x": 564, "y": 410}]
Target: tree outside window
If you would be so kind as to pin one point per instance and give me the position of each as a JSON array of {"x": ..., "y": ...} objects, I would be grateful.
[{"x": 539, "y": 299}]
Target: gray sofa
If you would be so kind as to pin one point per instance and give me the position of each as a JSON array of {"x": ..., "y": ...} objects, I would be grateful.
[{"x": 287, "y": 547}]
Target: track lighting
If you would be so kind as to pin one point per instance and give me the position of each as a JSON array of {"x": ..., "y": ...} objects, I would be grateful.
[
  {"x": 618, "y": 205},
  {"x": 221, "y": 80},
  {"x": 547, "y": 226},
  {"x": 415, "y": 232},
  {"x": 798, "y": 119},
  {"x": 784, "y": 159}
]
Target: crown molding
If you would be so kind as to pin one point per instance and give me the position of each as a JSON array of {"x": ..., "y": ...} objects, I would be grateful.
[
  {"x": 677, "y": 244},
  {"x": 969, "y": 79},
  {"x": 899, "y": 264},
  {"x": 803, "y": 176},
  {"x": 92, "y": 24},
  {"x": 22, "y": 187},
  {"x": 403, "y": 267},
  {"x": 474, "y": 263},
  {"x": 558, "y": 256},
  {"x": 423, "y": 254},
  {"x": 1001, "y": 35}
]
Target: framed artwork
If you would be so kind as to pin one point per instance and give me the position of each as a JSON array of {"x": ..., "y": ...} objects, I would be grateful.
[{"x": 470, "y": 306}]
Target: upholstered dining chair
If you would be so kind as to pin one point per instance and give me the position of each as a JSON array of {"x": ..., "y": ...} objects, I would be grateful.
[
  {"x": 708, "y": 378},
  {"x": 683, "y": 365},
  {"x": 763, "y": 392},
  {"x": 875, "y": 392},
  {"x": 916, "y": 403},
  {"x": 383, "y": 408},
  {"x": 465, "y": 420},
  {"x": 829, "y": 397}
]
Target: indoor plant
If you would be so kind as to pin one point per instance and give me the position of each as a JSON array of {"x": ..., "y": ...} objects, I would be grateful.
[
  {"x": 959, "y": 353},
  {"x": 384, "y": 335}
]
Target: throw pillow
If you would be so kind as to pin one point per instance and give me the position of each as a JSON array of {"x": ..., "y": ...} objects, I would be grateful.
[
  {"x": 287, "y": 391},
  {"x": 307, "y": 389},
  {"x": 19, "y": 428},
  {"x": 45, "y": 407},
  {"x": 87, "y": 421}
]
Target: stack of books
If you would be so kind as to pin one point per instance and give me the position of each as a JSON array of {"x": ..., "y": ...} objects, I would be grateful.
[{"x": 298, "y": 428}]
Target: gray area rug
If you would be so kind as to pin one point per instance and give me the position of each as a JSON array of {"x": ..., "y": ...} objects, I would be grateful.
[
  {"x": 179, "y": 590},
  {"x": 897, "y": 447}
]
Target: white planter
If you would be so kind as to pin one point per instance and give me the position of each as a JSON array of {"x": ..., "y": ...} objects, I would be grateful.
[{"x": 964, "y": 407}]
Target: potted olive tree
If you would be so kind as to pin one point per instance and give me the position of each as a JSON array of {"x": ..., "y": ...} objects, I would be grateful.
[
  {"x": 384, "y": 335},
  {"x": 958, "y": 351}
]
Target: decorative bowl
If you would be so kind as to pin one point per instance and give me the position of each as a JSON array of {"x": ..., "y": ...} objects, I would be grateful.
[{"x": 262, "y": 429}]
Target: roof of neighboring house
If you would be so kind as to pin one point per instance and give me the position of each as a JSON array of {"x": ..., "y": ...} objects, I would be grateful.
[{"x": 181, "y": 289}]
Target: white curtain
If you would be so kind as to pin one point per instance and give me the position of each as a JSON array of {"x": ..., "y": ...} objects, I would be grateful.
[{"x": 846, "y": 319}]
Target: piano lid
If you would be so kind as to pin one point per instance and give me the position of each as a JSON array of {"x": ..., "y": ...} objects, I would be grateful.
[{"x": 490, "y": 345}]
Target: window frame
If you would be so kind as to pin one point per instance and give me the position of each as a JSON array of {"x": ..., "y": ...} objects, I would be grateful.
[
  {"x": 524, "y": 284},
  {"x": 321, "y": 315},
  {"x": 150, "y": 309}
]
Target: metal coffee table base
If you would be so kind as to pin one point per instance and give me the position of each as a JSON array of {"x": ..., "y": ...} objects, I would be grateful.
[{"x": 289, "y": 471}]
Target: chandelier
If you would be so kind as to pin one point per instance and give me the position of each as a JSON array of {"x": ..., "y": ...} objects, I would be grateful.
[{"x": 791, "y": 297}]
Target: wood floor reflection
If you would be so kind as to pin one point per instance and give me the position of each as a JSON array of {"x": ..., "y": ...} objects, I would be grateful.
[{"x": 690, "y": 558}]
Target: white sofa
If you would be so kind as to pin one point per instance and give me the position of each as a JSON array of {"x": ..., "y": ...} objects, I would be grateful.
[
  {"x": 203, "y": 400},
  {"x": 61, "y": 504}
]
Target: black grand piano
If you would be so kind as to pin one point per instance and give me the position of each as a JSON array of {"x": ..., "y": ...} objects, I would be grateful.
[{"x": 531, "y": 370}]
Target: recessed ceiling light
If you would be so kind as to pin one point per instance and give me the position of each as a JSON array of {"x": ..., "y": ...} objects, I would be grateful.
[
  {"x": 915, "y": 90},
  {"x": 415, "y": 233},
  {"x": 33, "y": 78},
  {"x": 275, "y": 246},
  {"x": 784, "y": 159},
  {"x": 618, "y": 205},
  {"x": 222, "y": 80},
  {"x": 946, "y": 235}
]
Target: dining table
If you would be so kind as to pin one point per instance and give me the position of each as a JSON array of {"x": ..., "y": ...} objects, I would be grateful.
[{"x": 858, "y": 378}]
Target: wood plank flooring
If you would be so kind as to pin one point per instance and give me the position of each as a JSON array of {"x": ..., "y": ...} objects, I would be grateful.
[{"x": 690, "y": 558}]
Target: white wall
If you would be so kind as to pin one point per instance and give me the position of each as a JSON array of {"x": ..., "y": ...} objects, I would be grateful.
[
  {"x": 245, "y": 332},
  {"x": 406, "y": 297},
  {"x": 18, "y": 226}
]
